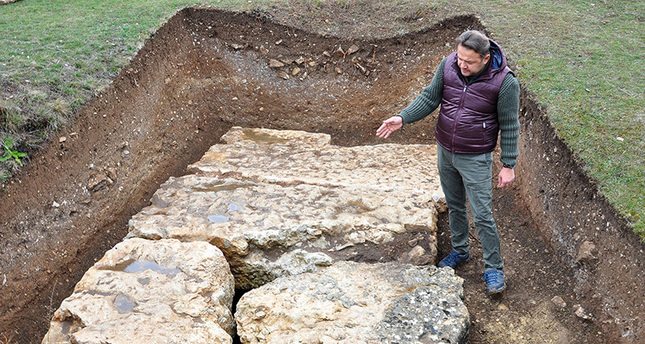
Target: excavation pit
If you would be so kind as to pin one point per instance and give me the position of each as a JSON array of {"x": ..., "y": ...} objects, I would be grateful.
[{"x": 205, "y": 71}]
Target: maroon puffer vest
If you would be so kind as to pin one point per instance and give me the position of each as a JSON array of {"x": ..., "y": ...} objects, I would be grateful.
[{"x": 468, "y": 119}]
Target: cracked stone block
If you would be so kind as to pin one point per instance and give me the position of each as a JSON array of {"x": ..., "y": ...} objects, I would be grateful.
[
  {"x": 352, "y": 302},
  {"x": 283, "y": 202},
  {"x": 143, "y": 291}
]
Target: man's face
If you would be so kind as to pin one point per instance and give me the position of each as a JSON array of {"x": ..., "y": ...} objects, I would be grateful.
[{"x": 469, "y": 61}]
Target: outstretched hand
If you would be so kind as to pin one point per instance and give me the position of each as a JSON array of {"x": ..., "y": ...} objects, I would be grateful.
[{"x": 389, "y": 126}]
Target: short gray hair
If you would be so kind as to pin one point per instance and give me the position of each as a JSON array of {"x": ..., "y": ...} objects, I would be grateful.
[{"x": 475, "y": 40}]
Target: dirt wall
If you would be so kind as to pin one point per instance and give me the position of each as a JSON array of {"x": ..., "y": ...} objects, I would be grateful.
[{"x": 570, "y": 211}]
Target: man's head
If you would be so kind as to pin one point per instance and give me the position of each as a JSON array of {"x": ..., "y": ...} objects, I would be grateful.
[{"x": 472, "y": 52}]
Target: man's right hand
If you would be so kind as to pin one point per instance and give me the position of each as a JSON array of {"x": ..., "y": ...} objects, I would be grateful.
[{"x": 389, "y": 126}]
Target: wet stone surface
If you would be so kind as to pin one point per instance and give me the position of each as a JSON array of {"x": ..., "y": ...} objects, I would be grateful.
[
  {"x": 284, "y": 202},
  {"x": 146, "y": 291}
]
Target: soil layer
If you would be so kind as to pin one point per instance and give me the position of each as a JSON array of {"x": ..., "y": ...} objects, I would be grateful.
[{"x": 205, "y": 71}]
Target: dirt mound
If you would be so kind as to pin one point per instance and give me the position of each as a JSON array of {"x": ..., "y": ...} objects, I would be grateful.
[{"x": 205, "y": 71}]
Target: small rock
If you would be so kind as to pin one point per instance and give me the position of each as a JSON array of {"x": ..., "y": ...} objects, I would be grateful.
[
  {"x": 283, "y": 75},
  {"x": 558, "y": 301},
  {"x": 326, "y": 53},
  {"x": 313, "y": 64},
  {"x": 237, "y": 46},
  {"x": 273, "y": 63},
  {"x": 338, "y": 70},
  {"x": 264, "y": 50},
  {"x": 278, "y": 42},
  {"x": 416, "y": 256},
  {"x": 502, "y": 307},
  {"x": 55, "y": 204},
  {"x": 340, "y": 52},
  {"x": 581, "y": 313},
  {"x": 586, "y": 252},
  {"x": 413, "y": 242},
  {"x": 62, "y": 139},
  {"x": 295, "y": 71},
  {"x": 300, "y": 60},
  {"x": 354, "y": 48}
]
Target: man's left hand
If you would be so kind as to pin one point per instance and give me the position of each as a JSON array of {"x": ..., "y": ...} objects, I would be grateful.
[{"x": 506, "y": 177}]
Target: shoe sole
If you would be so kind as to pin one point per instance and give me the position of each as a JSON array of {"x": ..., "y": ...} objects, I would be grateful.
[{"x": 496, "y": 291}]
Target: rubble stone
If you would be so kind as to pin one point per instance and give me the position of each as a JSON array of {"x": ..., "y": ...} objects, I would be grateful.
[{"x": 357, "y": 303}]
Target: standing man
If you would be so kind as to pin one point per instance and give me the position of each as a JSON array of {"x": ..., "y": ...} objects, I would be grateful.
[{"x": 479, "y": 97}]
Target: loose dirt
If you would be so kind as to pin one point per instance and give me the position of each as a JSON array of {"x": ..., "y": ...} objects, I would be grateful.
[{"x": 205, "y": 71}]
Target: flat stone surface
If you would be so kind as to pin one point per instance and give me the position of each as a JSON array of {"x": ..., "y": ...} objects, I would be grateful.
[
  {"x": 284, "y": 202},
  {"x": 144, "y": 291},
  {"x": 357, "y": 303},
  {"x": 296, "y": 157}
]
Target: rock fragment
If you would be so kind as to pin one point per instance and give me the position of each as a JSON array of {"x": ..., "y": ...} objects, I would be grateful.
[
  {"x": 587, "y": 252},
  {"x": 273, "y": 63},
  {"x": 357, "y": 303},
  {"x": 559, "y": 302},
  {"x": 581, "y": 313},
  {"x": 352, "y": 49}
]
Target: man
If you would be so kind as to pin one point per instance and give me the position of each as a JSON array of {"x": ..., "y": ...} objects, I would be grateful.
[{"x": 479, "y": 97}]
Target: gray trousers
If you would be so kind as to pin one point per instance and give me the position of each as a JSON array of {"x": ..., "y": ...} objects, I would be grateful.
[{"x": 470, "y": 175}]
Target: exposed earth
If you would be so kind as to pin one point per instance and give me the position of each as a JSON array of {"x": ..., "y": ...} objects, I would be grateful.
[{"x": 206, "y": 71}]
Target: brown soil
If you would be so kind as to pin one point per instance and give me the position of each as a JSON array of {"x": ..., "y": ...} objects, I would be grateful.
[{"x": 205, "y": 71}]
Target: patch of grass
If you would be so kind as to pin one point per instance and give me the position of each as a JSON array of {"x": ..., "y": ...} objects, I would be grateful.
[
  {"x": 56, "y": 54},
  {"x": 583, "y": 62}
]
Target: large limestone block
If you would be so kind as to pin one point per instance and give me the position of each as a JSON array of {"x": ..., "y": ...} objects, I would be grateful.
[
  {"x": 284, "y": 202},
  {"x": 146, "y": 291},
  {"x": 269, "y": 230},
  {"x": 357, "y": 303},
  {"x": 294, "y": 157}
]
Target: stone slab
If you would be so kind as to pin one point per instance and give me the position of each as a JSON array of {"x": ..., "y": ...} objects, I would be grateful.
[
  {"x": 357, "y": 303},
  {"x": 144, "y": 291}
]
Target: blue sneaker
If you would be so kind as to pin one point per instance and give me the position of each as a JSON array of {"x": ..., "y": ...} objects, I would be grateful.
[
  {"x": 453, "y": 259},
  {"x": 494, "y": 279}
]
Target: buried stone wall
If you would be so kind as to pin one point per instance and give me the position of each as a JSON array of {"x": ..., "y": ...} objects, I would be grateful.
[
  {"x": 285, "y": 208},
  {"x": 281, "y": 202}
]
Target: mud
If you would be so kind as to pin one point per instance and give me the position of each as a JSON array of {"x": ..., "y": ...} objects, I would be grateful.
[{"x": 205, "y": 71}]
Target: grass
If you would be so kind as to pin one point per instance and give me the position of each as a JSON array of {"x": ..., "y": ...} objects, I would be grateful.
[
  {"x": 583, "y": 62},
  {"x": 580, "y": 58}
]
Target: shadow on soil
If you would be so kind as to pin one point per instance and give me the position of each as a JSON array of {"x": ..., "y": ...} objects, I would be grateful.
[{"x": 205, "y": 71}]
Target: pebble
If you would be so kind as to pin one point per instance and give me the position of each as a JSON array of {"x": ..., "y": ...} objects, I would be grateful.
[
  {"x": 581, "y": 312},
  {"x": 558, "y": 301}
]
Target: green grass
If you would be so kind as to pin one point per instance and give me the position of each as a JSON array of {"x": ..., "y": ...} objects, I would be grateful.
[
  {"x": 583, "y": 62},
  {"x": 580, "y": 58},
  {"x": 56, "y": 54}
]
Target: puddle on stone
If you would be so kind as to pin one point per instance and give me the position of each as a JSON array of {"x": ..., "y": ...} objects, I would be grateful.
[
  {"x": 124, "y": 304},
  {"x": 159, "y": 202},
  {"x": 234, "y": 207},
  {"x": 142, "y": 265},
  {"x": 259, "y": 137},
  {"x": 143, "y": 280},
  {"x": 218, "y": 218}
]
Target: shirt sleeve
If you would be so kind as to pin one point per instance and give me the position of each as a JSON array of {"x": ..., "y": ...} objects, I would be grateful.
[
  {"x": 508, "y": 106},
  {"x": 429, "y": 99}
]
